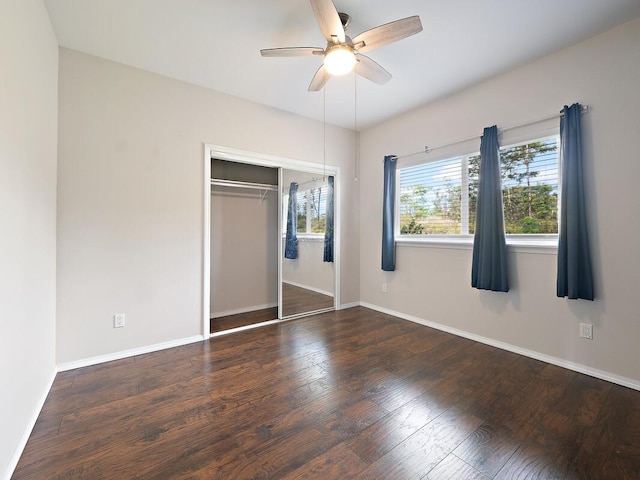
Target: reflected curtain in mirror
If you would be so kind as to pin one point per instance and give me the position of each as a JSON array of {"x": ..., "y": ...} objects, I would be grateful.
[
  {"x": 328, "y": 232},
  {"x": 489, "y": 264},
  {"x": 388, "y": 214},
  {"x": 291, "y": 239},
  {"x": 574, "y": 260}
]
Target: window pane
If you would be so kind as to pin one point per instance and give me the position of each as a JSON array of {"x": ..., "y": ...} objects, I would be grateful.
[
  {"x": 301, "y": 210},
  {"x": 473, "y": 175},
  {"x": 318, "y": 199},
  {"x": 312, "y": 206},
  {"x": 430, "y": 198},
  {"x": 530, "y": 187}
]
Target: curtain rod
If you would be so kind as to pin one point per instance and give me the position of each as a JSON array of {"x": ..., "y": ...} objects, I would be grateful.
[
  {"x": 427, "y": 149},
  {"x": 285, "y": 188},
  {"x": 315, "y": 180}
]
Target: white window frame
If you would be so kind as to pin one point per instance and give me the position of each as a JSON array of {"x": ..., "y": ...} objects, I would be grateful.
[{"x": 534, "y": 243}]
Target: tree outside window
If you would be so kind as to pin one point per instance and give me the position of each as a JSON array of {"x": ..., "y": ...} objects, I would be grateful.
[
  {"x": 312, "y": 210},
  {"x": 439, "y": 198}
]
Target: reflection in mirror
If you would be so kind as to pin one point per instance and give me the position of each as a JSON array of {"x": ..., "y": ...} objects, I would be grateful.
[{"x": 307, "y": 236}]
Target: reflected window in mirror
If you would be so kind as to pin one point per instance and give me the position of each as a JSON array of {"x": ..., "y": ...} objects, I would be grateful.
[{"x": 311, "y": 210}]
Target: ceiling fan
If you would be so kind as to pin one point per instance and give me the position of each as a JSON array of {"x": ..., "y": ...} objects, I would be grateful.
[{"x": 344, "y": 54}]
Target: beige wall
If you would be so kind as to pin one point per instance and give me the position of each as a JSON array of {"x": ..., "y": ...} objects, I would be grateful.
[
  {"x": 433, "y": 284},
  {"x": 130, "y": 202},
  {"x": 308, "y": 270},
  {"x": 244, "y": 250},
  {"x": 28, "y": 138}
]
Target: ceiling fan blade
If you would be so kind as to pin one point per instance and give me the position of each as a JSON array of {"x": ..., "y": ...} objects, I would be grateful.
[
  {"x": 387, "y": 33},
  {"x": 328, "y": 20},
  {"x": 319, "y": 79},
  {"x": 371, "y": 70},
  {"x": 291, "y": 52}
]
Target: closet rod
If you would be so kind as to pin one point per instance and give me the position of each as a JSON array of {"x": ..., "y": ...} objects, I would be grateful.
[{"x": 237, "y": 184}]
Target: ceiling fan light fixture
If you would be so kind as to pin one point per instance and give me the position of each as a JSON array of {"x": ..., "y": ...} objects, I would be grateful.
[
  {"x": 339, "y": 60},
  {"x": 344, "y": 54}
]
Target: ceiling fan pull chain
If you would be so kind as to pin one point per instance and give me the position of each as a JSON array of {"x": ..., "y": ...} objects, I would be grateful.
[
  {"x": 356, "y": 166},
  {"x": 324, "y": 134}
]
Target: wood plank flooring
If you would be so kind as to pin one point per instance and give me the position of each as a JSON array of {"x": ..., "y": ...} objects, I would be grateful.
[
  {"x": 297, "y": 300},
  {"x": 353, "y": 394},
  {"x": 229, "y": 322}
]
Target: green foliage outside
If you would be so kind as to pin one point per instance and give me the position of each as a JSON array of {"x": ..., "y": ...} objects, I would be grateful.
[
  {"x": 528, "y": 208},
  {"x": 437, "y": 217},
  {"x": 302, "y": 223}
]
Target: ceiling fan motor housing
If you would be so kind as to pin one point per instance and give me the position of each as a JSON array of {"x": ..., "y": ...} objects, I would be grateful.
[{"x": 345, "y": 19}]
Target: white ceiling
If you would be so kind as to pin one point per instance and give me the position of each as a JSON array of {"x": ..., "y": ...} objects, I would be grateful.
[{"x": 216, "y": 43}]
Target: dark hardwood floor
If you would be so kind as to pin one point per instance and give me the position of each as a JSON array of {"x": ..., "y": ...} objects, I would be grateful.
[
  {"x": 229, "y": 322},
  {"x": 297, "y": 300},
  {"x": 353, "y": 394}
]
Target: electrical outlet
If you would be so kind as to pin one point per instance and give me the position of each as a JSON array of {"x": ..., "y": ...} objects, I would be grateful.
[
  {"x": 385, "y": 287},
  {"x": 118, "y": 320},
  {"x": 586, "y": 330}
]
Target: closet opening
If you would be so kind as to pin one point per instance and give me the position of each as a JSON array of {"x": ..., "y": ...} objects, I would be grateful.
[
  {"x": 271, "y": 239},
  {"x": 244, "y": 248}
]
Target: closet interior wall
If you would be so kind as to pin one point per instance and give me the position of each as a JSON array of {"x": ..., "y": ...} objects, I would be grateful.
[{"x": 244, "y": 236}]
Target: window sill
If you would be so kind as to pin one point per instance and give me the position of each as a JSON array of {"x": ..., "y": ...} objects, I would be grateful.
[
  {"x": 306, "y": 237},
  {"x": 542, "y": 246}
]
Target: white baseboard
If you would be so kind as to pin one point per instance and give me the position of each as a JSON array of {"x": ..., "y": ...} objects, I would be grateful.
[
  {"x": 129, "y": 353},
  {"x": 344, "y": 306},
  {"x": 222, "y": 333},
  {"x": 313, "y": 289},
  {"x": 13, "y": 463},
  {"x": 238, "y": 311},
  {"x": 576, "y": 367}
]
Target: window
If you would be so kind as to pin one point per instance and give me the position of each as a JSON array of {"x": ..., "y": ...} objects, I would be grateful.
[
  {"x": 431, "y": 198},
  {"x": 439, "y": 198},
  {"x": 311, "y": 210}
]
